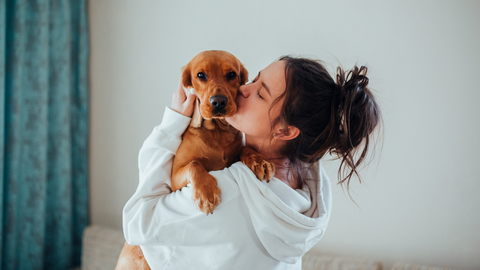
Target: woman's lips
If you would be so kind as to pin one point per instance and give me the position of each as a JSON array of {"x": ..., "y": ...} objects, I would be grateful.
[{"x": 237, "y": 101}]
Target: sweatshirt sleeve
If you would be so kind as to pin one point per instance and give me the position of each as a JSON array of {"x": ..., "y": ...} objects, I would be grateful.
[{"x": 155, "y": 165}]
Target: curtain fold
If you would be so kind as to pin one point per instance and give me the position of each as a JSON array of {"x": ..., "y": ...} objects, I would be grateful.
[{"x": 44, "y": 133}]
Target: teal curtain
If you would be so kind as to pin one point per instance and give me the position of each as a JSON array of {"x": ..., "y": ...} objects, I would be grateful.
[{"x": 44, "y": 101}]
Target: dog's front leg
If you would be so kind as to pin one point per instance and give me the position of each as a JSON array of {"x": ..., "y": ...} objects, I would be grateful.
[
  {"x": 206, "y": 194},
  {"x": 260, "y": 166}
]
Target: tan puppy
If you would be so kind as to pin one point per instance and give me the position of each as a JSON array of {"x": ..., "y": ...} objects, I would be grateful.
[{"x": 210, "y": 143}]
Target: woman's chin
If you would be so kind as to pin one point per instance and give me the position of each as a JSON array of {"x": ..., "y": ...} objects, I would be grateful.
[{"x": 231, "y": 120}]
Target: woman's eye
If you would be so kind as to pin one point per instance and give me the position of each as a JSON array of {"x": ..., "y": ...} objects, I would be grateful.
[
  {"x": 201, "y": 76},
  {"x": 259, "y": 95},
  {"x": 231, "y": 75}
]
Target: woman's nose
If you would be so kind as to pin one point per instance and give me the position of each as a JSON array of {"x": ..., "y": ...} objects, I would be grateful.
[{"x": 243, "y": 90}]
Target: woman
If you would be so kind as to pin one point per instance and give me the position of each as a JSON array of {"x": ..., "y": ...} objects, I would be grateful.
[{"x": 293, "y": 113}]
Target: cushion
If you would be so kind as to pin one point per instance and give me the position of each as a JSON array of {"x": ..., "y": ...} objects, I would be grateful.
[
  {"x": 101, "y": 247},
  {"x": 314, "y": 261}
]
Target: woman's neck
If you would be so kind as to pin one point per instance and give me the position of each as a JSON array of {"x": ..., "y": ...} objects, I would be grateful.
[
  {"x": 286, "y": 173},
  {"x": 271, "y": 152}
]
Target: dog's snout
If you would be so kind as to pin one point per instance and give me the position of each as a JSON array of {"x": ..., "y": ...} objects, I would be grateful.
[{"x": 218, "y": 102}]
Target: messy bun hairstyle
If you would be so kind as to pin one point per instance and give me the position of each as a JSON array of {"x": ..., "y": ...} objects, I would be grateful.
[{"x": 335, "y": 117}]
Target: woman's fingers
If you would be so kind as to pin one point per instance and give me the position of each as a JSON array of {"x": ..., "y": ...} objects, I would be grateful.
[
  {"x": 181, "y": 102},
  {"x": 180, "y": 91}
]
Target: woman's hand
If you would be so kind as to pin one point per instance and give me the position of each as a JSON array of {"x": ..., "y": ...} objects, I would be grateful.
[{"x": 181, "y": 103}]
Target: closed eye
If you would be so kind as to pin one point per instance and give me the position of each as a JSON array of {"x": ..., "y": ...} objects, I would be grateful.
[{"x": 258, "y": 93}]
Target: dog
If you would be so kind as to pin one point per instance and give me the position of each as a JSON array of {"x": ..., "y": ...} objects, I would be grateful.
[{"x": 209, "y": 143}]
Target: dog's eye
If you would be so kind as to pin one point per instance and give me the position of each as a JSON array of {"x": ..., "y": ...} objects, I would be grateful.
[
  {"x": 202, "y": 76},
  {"x": 231, "y": 75}
]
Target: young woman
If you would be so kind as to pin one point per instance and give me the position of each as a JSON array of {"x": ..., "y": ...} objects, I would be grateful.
[{"x": 293, "y": 113}]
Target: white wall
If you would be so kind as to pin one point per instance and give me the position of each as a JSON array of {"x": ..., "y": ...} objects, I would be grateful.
[{"x": 419, "y": 202}]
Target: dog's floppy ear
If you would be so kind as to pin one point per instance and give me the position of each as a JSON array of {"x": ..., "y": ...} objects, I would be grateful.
[
  {"x": 186, "y": 76},
  {"x": 243, "y": 75},
  {"x": 197, "y": 116}
]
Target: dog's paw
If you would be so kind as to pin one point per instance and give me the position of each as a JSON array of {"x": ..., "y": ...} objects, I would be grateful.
[
  {"x": 262, "y": 168},
  {"x": 206, "y": 195}
]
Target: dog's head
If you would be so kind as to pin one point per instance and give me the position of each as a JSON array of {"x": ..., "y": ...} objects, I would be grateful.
[{"x": 216, "y": 77}]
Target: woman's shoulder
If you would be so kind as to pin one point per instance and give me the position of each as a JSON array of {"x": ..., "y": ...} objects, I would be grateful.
[
  {"x": 239, "y": 167},
  {"x": 226, "y": 181}
]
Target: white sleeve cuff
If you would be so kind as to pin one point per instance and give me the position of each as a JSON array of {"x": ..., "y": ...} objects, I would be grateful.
[{"x": 174, "y": 123}]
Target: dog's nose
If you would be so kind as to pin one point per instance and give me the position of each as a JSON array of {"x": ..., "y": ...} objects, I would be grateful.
[{"x": 218, "y": 102}]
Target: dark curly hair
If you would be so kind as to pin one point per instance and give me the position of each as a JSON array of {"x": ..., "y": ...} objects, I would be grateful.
[{"x": 335, "y": 117}]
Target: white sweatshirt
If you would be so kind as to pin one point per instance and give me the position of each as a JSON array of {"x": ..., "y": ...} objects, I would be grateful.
[{"x": 257, "y": 225}]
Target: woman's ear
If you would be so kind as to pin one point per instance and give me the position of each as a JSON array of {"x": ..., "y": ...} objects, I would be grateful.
[
  {"x": 290, "y": 134},
  {"x": 243, "y": 75},
  {"x": 186, "y": 77}
]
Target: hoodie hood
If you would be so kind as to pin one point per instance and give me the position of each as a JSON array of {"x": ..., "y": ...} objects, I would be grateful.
[{"x": 288, "y": 222}]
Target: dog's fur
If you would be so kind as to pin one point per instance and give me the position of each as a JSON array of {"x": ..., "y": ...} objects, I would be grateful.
[{"x": 209, "y": 143}]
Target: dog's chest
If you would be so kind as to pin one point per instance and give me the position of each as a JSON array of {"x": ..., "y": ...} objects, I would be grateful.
[{"x": 219, "y": 148}]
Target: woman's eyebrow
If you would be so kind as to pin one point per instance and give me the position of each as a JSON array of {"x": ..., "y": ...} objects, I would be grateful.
[{"x": 265, "y": 86}]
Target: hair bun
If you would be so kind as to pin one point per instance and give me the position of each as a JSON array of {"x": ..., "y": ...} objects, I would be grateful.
[
  {"x": 353, "y": 79},
  {"x": 351, "y": 106}
]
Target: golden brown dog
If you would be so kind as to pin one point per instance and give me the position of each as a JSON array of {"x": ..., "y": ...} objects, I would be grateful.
[{"x": 209, "y": 143}]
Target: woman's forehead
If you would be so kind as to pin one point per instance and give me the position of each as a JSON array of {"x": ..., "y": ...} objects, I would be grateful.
[{"x": 274, "y": 76}]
